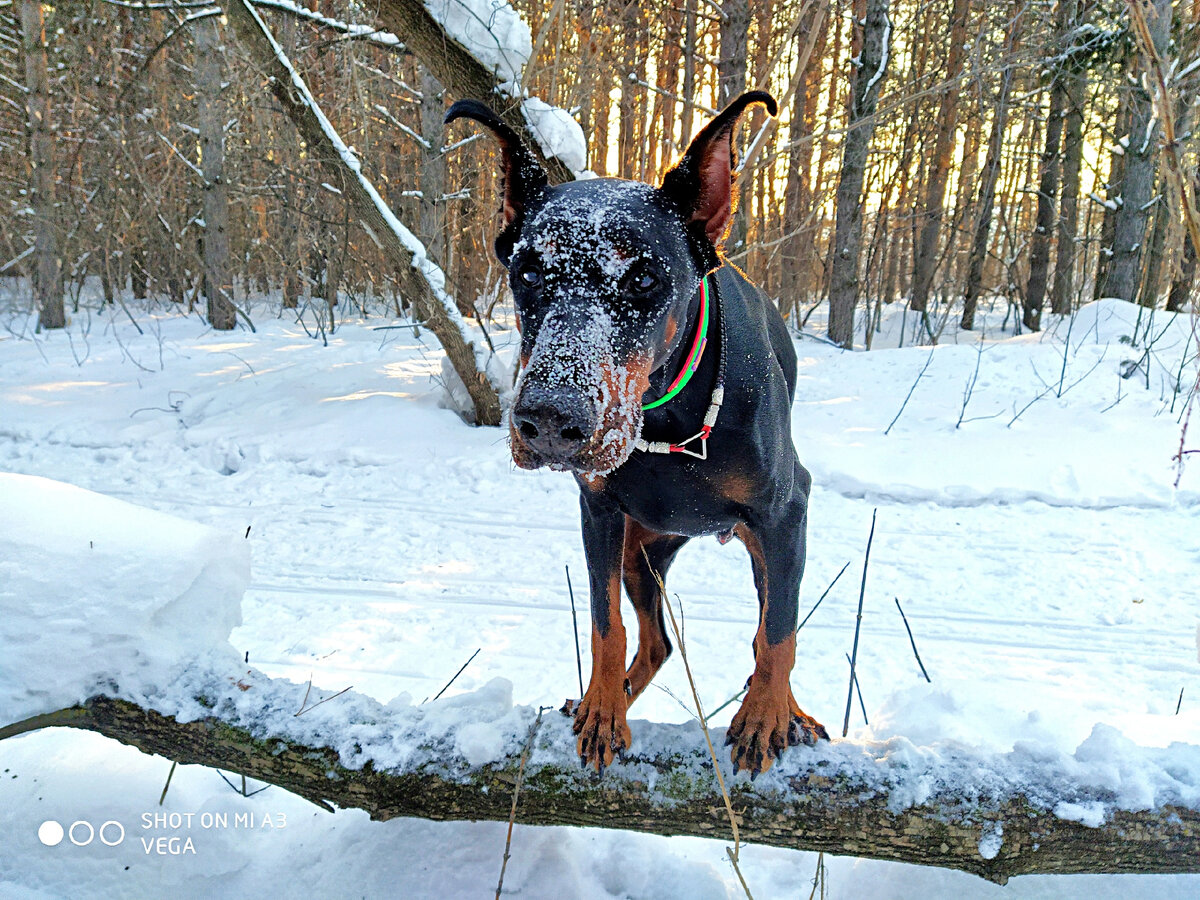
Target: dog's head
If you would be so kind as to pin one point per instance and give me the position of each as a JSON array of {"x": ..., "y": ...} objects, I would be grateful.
[{"x": 604, "y": 273}]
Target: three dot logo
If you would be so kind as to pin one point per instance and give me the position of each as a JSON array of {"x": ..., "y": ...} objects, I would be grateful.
[{"x": 81, "y": 833}]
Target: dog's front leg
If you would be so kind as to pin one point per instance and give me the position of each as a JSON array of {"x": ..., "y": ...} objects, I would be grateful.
[
  {"x": 600, "y": 718},
  {"x": 770, "y": 719}
]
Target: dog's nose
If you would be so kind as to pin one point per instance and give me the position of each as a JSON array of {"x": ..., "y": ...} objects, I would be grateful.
[{"x": 554, "y": 423}]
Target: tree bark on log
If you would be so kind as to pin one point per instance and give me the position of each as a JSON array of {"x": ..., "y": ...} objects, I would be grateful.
[
  {"x": 368, "y": 205},
  {"x": 820, "y": 807}
]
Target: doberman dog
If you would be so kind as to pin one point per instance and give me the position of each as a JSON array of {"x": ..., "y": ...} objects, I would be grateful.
[{"x": 663, "y": 379}]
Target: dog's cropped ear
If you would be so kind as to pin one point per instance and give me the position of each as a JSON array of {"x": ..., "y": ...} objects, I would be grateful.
[
  {"x": 701, "y": 185},
  {"x": 524, "y": 178}
]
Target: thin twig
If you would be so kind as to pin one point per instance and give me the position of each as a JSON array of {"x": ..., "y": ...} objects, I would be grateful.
[
  {"x": 512, "y": 816},
  {"x": 823, "y": 596},
  {"x": 1180, "y": 703},
  {"x": 970, "y": 388},
  {"x": 857, "y": 690},
  {"x": 456, "y": 674},
  {"x": 242, "y": 790},
  {"x": 736, "y": 696},
  {"x": 304, "y": 707},
  {"x": 857, "y": 626},
  {"x": 163, "y": 795},
  {"x": 920, "y": 375},
  {"x": 732, "y": 852},
  {"x": 575, "y": 631},
  {"x": 912, "y": 641}
]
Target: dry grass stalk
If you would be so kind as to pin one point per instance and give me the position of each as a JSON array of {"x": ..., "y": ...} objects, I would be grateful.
[{"x": 733, "y": 851}]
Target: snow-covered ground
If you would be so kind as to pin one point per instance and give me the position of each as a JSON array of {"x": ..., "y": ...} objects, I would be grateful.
[{"x": 1044, "y": 557}]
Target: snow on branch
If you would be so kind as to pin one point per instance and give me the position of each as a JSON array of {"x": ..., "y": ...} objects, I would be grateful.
[
  {"x": 1111, "y": 807},
  {"x": 371, "y": 35},
  {"x": 145, "y": 659}
]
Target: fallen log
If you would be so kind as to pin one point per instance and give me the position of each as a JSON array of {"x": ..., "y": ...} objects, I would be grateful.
[{"x": 995, "y": 815}]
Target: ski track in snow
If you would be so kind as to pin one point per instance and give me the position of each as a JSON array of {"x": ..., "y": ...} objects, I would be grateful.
[{"x": 1056, "y": 588}]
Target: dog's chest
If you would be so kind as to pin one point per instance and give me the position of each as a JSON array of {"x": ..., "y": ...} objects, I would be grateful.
[{"x": 676, "y": 499}]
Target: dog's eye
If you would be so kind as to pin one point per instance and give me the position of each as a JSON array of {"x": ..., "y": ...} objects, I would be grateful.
[
  {"x": 643, "y": 282},
  {"x": 530, "y": 276}
]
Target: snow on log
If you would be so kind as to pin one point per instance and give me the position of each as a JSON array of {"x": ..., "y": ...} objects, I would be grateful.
[
  {"x": 116, "y": 619},
  {"x": 456, "y": 759},
  {"x": 422, "y": 281}
]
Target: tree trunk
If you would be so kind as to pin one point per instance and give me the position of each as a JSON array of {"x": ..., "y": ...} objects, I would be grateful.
[
  {"x": 218, "y": 281},
  {"x": 47, "y": 260},
  {"x": 799, "y": 278},
  {"x": 432, "y": 176},
  {"x": 1181, "y": 287},
  {"x": 987, "y": 185},
  {"x": 731, "y": 77},
  {"x": 458, "y": 71},
  {"x": 856, "y": 806},
  {"x": 414, "y": 270},
  {"x": 926, "y": 260},
  {"x": 1074, "y": 79},
  {"x": 1039, "y": 246},
  {"x": 289, "y": 207},
  {"x": 139, "y": 277},
  {"x": 1137, "y": 183},
  {"x": 689, "y": 71},
  {"x": 1156, "y": 246},
  {"x": 868, "y": 81}
]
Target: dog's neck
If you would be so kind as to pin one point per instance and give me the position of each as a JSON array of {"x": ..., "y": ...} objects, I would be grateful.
[{"x": 666, "y": 373}]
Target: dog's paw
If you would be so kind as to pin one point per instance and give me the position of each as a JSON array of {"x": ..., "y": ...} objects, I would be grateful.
[
  {"x": 804, "y": 729},
  {"x": 603, "y": 731},
  {"x": 764, "y": 727}
]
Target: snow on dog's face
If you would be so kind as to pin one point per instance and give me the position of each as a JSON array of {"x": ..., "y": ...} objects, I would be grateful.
[
  {"x": 602, "y": 278},
  {"x": 604, "y": 273}
]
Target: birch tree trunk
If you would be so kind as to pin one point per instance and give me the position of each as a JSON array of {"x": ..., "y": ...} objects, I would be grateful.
[
  {"x": 210, "y": 120},
  {"x": 868, "y": 81},
  {"x": 47, "y": 261}
]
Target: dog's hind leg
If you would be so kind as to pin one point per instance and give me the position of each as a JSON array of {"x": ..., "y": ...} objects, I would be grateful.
[{"x": 647, "y": 553}]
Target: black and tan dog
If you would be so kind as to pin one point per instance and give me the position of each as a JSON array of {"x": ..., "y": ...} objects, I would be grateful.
[{"x": 663, "y": 380}]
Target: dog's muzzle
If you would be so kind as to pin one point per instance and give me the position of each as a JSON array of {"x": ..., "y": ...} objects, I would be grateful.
[{"x": 554, "y": 422}]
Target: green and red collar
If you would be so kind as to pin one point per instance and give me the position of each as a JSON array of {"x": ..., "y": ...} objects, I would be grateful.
[
  {"x": 692, "y": 362},
  {"x": 690, "y": 365}
]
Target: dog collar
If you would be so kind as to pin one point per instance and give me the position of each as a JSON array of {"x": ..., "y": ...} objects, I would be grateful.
[
  {"x": 718, "y": 394},
  {"x": 693, "y": 358}
]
